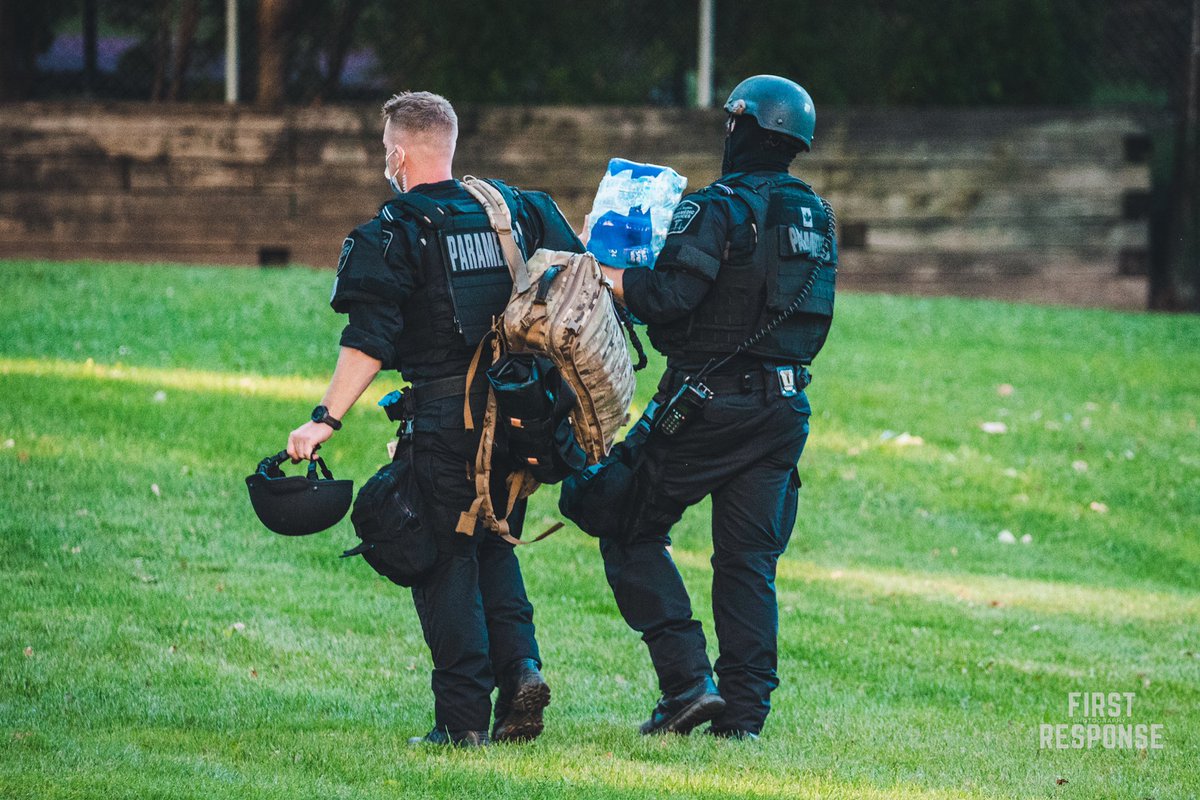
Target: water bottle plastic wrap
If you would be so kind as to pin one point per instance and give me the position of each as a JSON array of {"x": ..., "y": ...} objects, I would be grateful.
[{"x": 627, "y": 225}]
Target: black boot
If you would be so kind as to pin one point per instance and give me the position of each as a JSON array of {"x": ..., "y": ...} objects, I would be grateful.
[
  {"x": 523, "y": 695},
  {"x": 459, "y": 739},
  {"x": 681, "y": 712}
]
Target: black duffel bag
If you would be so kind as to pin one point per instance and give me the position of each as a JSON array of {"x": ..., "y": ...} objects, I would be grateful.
[
  {"x": 387, "y": 518},
  {"x": 606, "y": 500}
]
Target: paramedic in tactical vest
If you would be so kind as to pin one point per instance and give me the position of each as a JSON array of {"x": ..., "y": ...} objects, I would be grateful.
[
  {"x": 420, "y": 284},
  {"x": 738, "y": 253}
]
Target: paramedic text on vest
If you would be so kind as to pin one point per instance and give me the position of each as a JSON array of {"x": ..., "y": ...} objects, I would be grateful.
[
  {"x": 739, "y": 252},
  {"x": 420, "y": 284}
]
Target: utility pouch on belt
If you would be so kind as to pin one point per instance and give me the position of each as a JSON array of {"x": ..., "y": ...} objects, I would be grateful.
[{"x": 387, "y": 520}]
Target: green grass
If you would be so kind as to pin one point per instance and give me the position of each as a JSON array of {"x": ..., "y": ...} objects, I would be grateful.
[{"x": 158, "y": 642}]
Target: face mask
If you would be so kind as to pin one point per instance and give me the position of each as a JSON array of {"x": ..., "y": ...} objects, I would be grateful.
[{"x": 399, "y": 186}]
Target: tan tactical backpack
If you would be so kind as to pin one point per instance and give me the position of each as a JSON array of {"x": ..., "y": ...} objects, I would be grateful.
[{"x": 561, "y": 308}]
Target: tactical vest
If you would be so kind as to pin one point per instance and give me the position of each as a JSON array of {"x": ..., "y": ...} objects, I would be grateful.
[
  {"x": 464, "y": 282},
  {"x": 792, "y": 224}
]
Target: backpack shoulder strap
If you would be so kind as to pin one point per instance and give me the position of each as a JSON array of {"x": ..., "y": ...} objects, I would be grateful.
[{"x": 500, "y": 216}]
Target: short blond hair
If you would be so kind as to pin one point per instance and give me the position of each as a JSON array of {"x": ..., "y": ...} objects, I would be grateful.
[{"x": 422, "y": 113}]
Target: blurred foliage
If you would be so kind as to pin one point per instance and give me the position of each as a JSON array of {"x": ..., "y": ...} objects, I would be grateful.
[
  {"x": 868, "y": 52},
  {"x": 26, "y": 31},
  {"x": 605, "y": 51},
  {"x": 917, "y": 52}
]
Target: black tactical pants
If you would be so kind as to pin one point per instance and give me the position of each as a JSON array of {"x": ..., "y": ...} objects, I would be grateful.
[
  {"x": 743, "y": 452},
  {"x": 473, "y": 608}
]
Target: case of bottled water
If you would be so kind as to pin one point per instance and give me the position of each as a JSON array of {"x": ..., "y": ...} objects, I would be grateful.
[{"x": 627, "y": 225}]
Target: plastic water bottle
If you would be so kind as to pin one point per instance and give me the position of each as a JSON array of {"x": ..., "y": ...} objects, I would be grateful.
[
  {"x": 622, "y": 240},
  {"x": 627, "y": 226}
]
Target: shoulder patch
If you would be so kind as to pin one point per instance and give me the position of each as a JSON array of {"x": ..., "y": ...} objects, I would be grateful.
[
  {"x": 347, "y": 246},
  {"x": 685, "y": 212}
]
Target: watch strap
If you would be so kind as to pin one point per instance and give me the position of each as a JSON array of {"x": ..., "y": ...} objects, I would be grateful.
[{"x": 321, "y": 414}]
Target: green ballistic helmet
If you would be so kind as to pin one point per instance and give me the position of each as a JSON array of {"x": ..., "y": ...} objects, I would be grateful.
[{"x": 778, "y": 104}]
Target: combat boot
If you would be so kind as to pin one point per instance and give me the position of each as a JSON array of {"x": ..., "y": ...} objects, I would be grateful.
[
  {"x": 524, "y": 693},
  {"x": 679, "y": 713}
]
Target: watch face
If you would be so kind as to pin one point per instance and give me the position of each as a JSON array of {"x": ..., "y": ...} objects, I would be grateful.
[{"x": 319, "y": 413}]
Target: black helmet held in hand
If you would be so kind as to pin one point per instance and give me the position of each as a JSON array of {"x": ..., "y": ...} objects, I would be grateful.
[
  {"x": 298, "y": 505},
  {"x": 777, "y": 104}
]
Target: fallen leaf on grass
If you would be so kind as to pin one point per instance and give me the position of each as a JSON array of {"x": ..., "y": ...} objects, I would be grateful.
[
  {"x": 28, "y": 652},
  {"x": 1098, "y": 507},
  {"x": 904, "y": 439},
  {"x": 1079, "y": 466},
  {"x": 993, "y": 427},
  {"x": 155, "y": 490},
  {"x": 1060, "y": 781},
  {"x": 1005, "y": 390}
]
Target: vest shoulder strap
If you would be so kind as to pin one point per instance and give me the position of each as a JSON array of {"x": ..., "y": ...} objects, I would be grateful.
[
  {"x": 425, "y": 211},
  {"x": 751, "y": 195}
]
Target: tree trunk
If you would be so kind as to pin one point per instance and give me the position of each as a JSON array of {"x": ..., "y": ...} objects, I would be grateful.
[
  {"x": 273, "y": 37},
  {"x": 185, "y": 39},
  {"x": 14, "y": 77},
  {"x": 345, "y": 21},
  {"x": 1182, "y": 292},
  {"x": 161, "y": 50},
  {"x": 89, "y": 46}
]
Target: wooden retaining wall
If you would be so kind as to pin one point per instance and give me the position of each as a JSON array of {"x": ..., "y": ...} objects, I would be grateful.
[{"x": 1038, "y": 205}]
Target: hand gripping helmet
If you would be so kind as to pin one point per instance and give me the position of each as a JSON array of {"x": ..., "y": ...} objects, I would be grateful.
[
  {"x": 297, "y": 505},
  {"x": 778, "y": 104}
]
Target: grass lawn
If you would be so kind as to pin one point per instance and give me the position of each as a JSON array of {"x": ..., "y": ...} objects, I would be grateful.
[{"x": 159, "y": 642}]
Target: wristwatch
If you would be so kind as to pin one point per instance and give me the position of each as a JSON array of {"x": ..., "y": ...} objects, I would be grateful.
[{"x": 321, "y": 414}]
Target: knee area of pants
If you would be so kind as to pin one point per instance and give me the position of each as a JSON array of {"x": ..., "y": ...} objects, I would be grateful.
[{"x": 759, "y": 561}]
